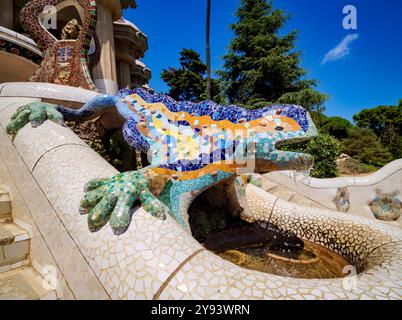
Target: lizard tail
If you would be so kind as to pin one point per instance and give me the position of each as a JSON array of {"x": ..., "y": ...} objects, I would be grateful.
[{"x": 92, "y": 109}]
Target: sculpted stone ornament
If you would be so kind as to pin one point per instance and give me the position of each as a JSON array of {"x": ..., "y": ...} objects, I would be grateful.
[
  {"x": 70, "y": 30},
  {"x": 386, "y": 207},
  {"x": 191, "y": 147},
  {"x": 64, "y": 61},
  {"x": 342, "y": 199}
]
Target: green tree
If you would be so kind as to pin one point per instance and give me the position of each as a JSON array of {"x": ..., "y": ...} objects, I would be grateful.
[
  {"x": 310, "y": 99},
  {"x": 262, "y": 65},
  {"x": 386, "y": 123},
  {"x": 363, "y": 145},
  {"x": 216, "y": 92},
  {"x": 396, "y": 148},
  {"x": 337, "y": 127},
  {"x": 188, "y": 83},
  {"x": 380, "y": 118}
]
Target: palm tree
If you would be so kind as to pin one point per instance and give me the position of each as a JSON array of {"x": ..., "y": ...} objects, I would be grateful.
[{"x": 208, "y": 49}]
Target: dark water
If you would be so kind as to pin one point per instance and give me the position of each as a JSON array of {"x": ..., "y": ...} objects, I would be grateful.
[{"x": 312, "y": 261}]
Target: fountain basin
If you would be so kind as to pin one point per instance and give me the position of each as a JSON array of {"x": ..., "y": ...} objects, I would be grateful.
[{"x": 311, "y": 262}]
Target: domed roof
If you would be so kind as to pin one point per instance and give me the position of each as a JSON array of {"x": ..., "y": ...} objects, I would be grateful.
[{"x": 123, "y": 21}]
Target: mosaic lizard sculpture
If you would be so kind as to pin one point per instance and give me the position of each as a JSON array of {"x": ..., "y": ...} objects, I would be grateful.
[{"x": 190, "y": 146}]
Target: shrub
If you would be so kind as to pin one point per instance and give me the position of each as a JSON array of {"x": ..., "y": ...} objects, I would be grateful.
[
  {"x": 353, "y": 166},
  {"x": 325, "y": 150}
]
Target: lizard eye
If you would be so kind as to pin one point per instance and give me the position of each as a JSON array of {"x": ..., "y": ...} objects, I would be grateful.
[{"x": 279, "y": 128}]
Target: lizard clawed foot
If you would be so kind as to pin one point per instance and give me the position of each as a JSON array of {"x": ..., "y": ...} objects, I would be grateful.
[
  {"x": 111, "y": 199},
  {"x": 36, "y": 113}
]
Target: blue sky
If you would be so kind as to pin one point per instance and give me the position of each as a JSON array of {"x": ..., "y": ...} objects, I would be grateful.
[{"x": 368, "y": 74}]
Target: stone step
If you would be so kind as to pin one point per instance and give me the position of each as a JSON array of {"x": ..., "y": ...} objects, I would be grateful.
[
  {"x": 14, "y": 246},
  {"x": 5, "y": 207},
  {"x": 267, "y": 184},
  {"x": 25, "y": 284},
  {"x": 281, "y": 192},
  {"x": 303, "y": 200},
  {"x": 286, "y": 193}
]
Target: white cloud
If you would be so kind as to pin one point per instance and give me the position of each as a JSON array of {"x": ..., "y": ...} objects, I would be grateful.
[{"x": 341, "y": 50}]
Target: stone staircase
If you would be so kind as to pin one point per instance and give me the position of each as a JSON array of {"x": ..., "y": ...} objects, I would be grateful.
[
  {"x": 287, "y": 194},
  {"x": 18, "y": 279}
]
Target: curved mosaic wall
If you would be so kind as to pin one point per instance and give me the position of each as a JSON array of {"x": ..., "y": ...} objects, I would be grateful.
[{"x": 353, "y": 237}]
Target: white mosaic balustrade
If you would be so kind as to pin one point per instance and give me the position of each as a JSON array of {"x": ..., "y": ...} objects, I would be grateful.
[
  {"x": 42, "y": 90},
  {"x": 362, "y": 189}
]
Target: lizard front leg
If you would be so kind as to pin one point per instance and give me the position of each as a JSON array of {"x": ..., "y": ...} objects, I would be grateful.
[
  {"x": 111, "y": 199},
  {"x": 38, "y": 112}
]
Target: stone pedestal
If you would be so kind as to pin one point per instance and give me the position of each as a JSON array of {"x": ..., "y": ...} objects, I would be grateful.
[
  {"x": 6, "y": 14},
  {"x": 139, "y": 74},
  {"x": 104, "y": 73}
]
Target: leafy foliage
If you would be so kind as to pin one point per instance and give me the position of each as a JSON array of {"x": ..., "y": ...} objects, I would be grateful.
[
  {"x": 377, "y": 138},
  {"x": 386, "y": 123},
  {"x": 380, "y": 118},
  {"x": 337, "y": 127},
  {"x": 310, "y": 99},
  {"x": 363, "y": 145},
  {"x": 261, "y": 65},
  {"x": 188, "y": 83},
  {"x": 325, "y": 150}
]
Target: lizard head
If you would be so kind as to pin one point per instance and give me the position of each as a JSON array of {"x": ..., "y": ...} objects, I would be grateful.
[{"x": 277, "y": 125}]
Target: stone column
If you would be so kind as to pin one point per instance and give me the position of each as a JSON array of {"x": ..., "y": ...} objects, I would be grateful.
[
  {"x": 123, "y": 74},
  {"x": 104, "y": 73},
  {"x": 6, "y": 14}
]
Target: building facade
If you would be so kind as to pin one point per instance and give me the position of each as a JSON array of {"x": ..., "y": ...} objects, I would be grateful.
[{"x": 117, "y": 49}]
